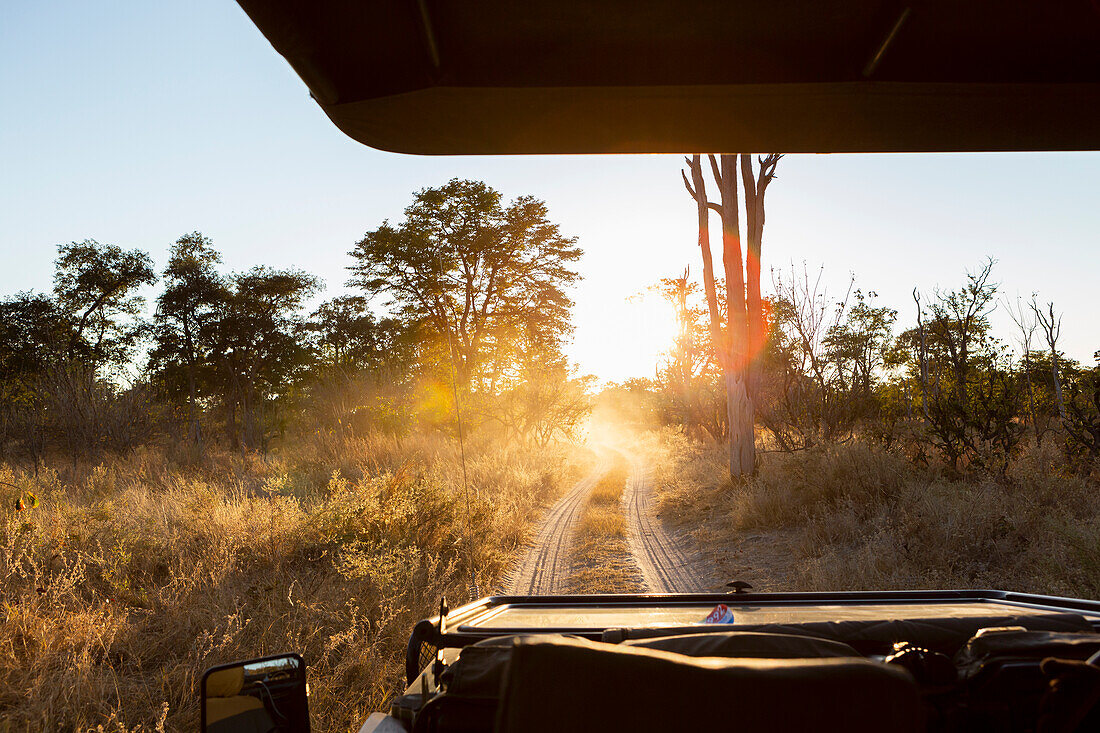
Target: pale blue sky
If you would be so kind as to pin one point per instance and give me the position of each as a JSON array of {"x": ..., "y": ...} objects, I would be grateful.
[{"x": 135, "y": 122}]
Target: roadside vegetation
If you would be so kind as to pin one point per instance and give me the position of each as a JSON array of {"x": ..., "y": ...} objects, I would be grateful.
[
  {"x": 123, "y": 579},
  {"x": 937, "y": 456},
  {"x": 601, "y": 557},
  {"x": 858, "y": 516},
  {"x": 887, "y": 450},
  {"x": 240, "y": 472}
]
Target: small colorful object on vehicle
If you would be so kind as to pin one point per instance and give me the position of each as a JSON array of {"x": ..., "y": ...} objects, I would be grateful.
[{"x": 720, "y": 614}]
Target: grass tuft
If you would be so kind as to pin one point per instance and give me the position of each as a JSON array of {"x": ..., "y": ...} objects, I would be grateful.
[{"x": 602, "y": 562}]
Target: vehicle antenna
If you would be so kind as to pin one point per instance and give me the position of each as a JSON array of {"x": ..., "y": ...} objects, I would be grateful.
[{"x": 474, "y": 594}]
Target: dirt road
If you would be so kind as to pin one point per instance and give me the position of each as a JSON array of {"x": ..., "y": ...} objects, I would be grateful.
[
  {"x": 545, "y": 567},
  {"x": 666, "y": 565}
]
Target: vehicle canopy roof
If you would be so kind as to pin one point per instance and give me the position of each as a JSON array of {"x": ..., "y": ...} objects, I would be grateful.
[{"x": 439, "y": 76}]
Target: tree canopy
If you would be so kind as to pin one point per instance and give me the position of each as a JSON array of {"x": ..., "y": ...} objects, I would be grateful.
[
  {"x": 472, "y": 274},
  {"x": 96, "y": 284}
]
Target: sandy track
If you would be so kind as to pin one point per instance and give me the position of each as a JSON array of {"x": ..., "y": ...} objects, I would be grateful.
[
  {"x": 665, "y": 565},
  {"x": 544, "y": 569}
]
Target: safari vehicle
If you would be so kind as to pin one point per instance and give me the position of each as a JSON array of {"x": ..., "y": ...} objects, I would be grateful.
[
  {"x": 859, "y": 661},
  {"x": 645, "y": 76}
]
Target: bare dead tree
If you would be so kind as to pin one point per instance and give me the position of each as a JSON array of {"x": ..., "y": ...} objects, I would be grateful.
[
  {"x": 729, "y": 347},
  {"x": 1052, "y": 329},
  {"x": 699, "y": 193},
  {"x": 739, "y": 405},
  {"x": 1026, "y": 323},
  {"x": 754, "y": 227},
  {"x": 922, "y": 357},
  {"x": 744, "y": 332}
]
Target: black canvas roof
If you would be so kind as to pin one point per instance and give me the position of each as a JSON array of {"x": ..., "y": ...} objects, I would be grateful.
[{"x": 439, "y": 76}]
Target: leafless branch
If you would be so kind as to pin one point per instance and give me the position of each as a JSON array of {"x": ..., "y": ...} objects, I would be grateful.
[
  {"x": 715, "y": 171},
  {"x": 687, "y": 185}
]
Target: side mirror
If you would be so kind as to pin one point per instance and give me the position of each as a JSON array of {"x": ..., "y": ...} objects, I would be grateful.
[{"x": 265, "y": 695}]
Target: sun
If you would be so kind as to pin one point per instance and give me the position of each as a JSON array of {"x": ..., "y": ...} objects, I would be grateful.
[{"x": 624, "y": 338}]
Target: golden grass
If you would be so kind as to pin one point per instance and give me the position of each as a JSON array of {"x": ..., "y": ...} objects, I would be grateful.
[
  {"x": 602, "y": 522},
  {"x": 857, "y": 516},
  {"x": 601, "y": 558},
  {"x": 608, "y": 491},
  {"x": 135, "y": 574}
]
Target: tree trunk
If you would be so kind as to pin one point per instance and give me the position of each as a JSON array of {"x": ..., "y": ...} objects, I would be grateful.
[
  {"x": 754, "y": 228},
  {"x": 733, "y": 348},
  {"x": 1031, "y": 394},
  {"x": 923, "y": 359},
  {"x": 192, "y": 399},
  {"x": 1056, "y": 372},
  {"x": 739, "y": 407}
]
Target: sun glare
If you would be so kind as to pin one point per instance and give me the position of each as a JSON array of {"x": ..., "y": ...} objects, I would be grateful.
[{"x": 626, "y": 339}]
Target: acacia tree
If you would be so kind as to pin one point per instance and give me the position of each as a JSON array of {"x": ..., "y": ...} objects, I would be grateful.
[
  {"x": 1082, "y": 421},
  {"x": 858, "y": 344},
  {"x": 473, "y": 275},
  {"x": 193, "y": 293},
  {"x": 34, "y": 334},
  {"x": 548, "y": 400},
  {"x": 740, "y": 343},
  {"x": 259, "y": 339},
  {"x": 95, "y": 283},
  {"x": 822, "y": 359},
  {"x": 347, "y": 336}
]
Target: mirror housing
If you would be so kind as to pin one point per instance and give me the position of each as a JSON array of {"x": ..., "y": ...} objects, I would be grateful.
[{"x": 255, "y": 696}]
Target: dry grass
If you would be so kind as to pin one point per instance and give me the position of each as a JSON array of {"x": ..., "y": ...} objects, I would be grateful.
[
  {"x": 602, "y": 562},
  {"x": 133, "y": 575},
  {"x": 860, "y": 517}
]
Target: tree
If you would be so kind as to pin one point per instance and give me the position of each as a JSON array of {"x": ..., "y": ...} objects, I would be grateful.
[
  {"x": 34, "y": 334},
  {"x": 465, "y": 269},
  {"x": 95, "y": 283},
  {"x": 961, "y": 317},
  {"x": 858, "y": 342},
  {"x": 1082, "y": 421},
  {"x": 362, "y": 377},
  {"x": 970, "y": 390},
  {"x": 821, "y": 357},
  {"x": 689, "y": 373},
  {"x": 259, "y": 337},
  {"x": 348, "y": 337},
  {"x": 548, "y": 400},
  {"x": 754, "y": 216},
  {"x": 740, "y": 345},
  {"x": 1026, "y": 323},
  {"x": 193, "y": 294},
  {"x": 1052, "y": 329}
]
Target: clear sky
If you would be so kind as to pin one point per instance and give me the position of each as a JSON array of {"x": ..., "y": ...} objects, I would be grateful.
[{"x": 135, "y": 122}]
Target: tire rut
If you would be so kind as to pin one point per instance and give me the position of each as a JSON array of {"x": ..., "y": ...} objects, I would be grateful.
[
  {"x": 544, "y": 569},
  {"x": 666, "y": 567}
]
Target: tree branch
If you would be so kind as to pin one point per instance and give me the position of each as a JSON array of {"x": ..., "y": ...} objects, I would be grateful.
[
  {"x": 688, "y": 185},
  {"x": 715, "y": 171}
]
